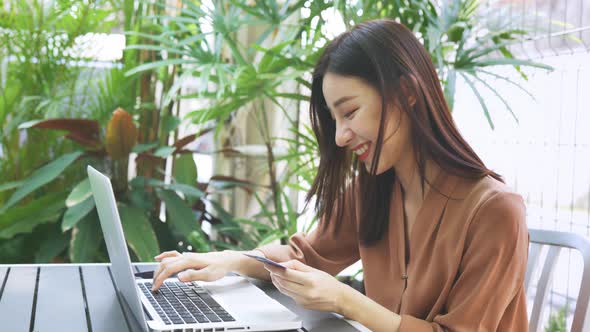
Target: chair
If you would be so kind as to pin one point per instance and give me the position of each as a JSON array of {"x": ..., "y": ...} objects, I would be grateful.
[{"x": 557, "y": 241}]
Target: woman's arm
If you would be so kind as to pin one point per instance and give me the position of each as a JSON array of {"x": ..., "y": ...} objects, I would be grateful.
[
  {"x": 486, "y": 296},
  {"x": 247, "y": 266},
  {"x": 356, "y": 306}
]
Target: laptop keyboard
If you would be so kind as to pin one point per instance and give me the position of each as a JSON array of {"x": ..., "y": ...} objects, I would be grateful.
[{"x": 180, "y": 303}]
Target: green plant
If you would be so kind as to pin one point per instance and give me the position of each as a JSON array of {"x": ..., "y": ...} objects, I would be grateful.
[
  {"x": 263, "y": 78},
  {"x": 557, "y": 321},
  {"x": 49, "y": 211},
  {"x": 42, "y": 75},
  {"x": 463, "y": 39},
  {"x": 237, "y": 78},
  {"x": 247, "y": 78}
]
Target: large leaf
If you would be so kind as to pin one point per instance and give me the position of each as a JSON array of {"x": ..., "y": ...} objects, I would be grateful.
[
  {"x": 86, "y": 239},
  {"x": 40, "y": 177},
  {"x": 10, "y": 185},
  {"x": 180, "y": 216},
  {"x": 185, "y": 169},
  {"x": 79, "y": 194},
  {"x": 185, "y": 189},
  {"x": 85, "y": 132},
  {"x": 54, "y": 243},
  {"x": 23, "y": 219},
  {"x": 139, "y": 233},
  {"x": 77, "y": 212},
  {"x": 164, "y": 151}
]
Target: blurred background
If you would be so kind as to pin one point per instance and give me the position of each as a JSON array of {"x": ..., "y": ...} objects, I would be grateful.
[{"x": 198, "y": 112}]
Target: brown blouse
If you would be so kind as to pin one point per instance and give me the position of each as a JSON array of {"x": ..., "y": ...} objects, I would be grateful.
[{"x": 461, "y": 269}]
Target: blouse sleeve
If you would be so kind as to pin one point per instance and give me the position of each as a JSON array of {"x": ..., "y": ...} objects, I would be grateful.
[
  {"x": 326, "y": 248},
  {"x": 491, "y": 273}
]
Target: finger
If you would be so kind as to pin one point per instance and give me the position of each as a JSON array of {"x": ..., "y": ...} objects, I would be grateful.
[
  {"x": 165, "y": 254},
  {"x": 289, "y": 274},
  {"x": 206, "y": 274},
  {"x": 169, "y": 269},
  {"x": 279, "y": 285},
  {"x": 165, "y": 261},
  {"x": 291, "y": 286},
  {"x": 297, "y": 265}
]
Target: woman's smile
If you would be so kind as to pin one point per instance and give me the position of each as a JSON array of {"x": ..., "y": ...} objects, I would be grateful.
[{"x": 362, "y": 150}]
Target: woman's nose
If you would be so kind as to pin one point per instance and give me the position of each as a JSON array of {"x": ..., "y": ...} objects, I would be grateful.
[{"x": 343, "y": 136}]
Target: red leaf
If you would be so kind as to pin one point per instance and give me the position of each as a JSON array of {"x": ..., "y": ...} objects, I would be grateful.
[
  {"x": 81, "y": 131},
  {"x": 188, "y": 139}
]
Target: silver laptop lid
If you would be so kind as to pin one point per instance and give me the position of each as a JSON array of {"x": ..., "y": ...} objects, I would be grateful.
[{"x": 115, "y": 240}]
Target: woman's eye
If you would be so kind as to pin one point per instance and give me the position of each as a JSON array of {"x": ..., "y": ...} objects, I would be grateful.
[{"x": 349, "y": 114}]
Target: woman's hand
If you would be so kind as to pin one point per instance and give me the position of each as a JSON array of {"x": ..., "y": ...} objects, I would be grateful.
[
  {"x": 311, "y": 288},
  {"x": 194, "y": 266}
]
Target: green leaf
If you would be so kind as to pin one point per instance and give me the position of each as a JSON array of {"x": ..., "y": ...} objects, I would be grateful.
[
  {"x": 139, "y": 233},
  {"x": 480, "y": 99},
  {"x": 86, "y": 239},
  {"x": 170, "y": 123},
  {"x": 180, "y": 216},
  {"x": 185, "y": 169},
  {"x": 40, "y": 177},
  {"x": 499, "y": 97},
  {"x": 294, "y": 96},
  {"x": 139, "y": 148},
  {"x": 164, "y": 151},
  {"x": 183, "y": 188},
  {"x": 29, "y": 124},
  {"x": 158, "y": 64},
  {"x": 51, "y": 246},
  {"x": 449, "y": 88},
  {"x": 10, "y": 185},
  {"x": 199, "y": 242},
  {"x": 270, "y": 238},
  {"x": 513, "y": 62},
  {"x": 291, "y": 215},
  {"x": 79, "y": 194},
  {"x": 75, "y": 213},
  {"x": 24, "y": 219}
]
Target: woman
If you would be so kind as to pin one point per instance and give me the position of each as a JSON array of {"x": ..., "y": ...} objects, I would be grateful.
[{"x": 442, "y": 240}]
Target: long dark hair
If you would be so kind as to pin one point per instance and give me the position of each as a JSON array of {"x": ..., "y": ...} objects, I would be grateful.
[{"x": 387, "y": 56}]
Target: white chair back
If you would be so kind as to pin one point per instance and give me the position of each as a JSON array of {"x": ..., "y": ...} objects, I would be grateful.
[{"x": 556, "y": 241}]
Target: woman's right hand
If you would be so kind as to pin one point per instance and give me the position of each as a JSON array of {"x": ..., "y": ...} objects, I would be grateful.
[{"x": 192, "y": 266}]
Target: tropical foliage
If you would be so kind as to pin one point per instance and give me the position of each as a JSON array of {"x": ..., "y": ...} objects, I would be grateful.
[{"x": 243, "y": 60}]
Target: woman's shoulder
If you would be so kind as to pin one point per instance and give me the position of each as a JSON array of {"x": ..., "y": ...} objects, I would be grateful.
[
  {"x": 488, "y": 201},
  {"x": 477, "y": 192}
]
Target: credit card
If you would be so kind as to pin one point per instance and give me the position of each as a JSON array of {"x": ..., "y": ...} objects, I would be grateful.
[{"x": 265, "y": 260}]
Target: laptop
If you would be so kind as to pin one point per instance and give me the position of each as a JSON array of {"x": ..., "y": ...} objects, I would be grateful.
[{"x": 230, "y": 304}]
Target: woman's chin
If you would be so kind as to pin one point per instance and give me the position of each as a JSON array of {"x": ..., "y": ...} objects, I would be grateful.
[{"x": 380, "y": 170}]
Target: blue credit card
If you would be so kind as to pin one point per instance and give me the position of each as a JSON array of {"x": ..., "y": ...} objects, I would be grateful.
[{"x": 265, "y": 260}]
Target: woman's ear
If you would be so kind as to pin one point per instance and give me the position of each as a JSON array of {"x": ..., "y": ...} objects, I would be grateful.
[
  {"x": 409, "y": 85},
  {"x": 412, "y": 100}
]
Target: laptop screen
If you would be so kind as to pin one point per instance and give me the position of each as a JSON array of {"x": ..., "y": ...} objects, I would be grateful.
[{"x": 112, "y": 230}]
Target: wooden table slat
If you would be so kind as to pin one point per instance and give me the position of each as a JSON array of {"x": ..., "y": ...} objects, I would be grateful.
[
  {"x": 16, "y": 304},
  {"x": 57, "y": 309},
  {"x": 104, "y": 308}
]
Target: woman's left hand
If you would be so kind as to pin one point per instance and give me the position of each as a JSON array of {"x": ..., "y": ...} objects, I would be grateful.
[{"x": 311, "y": 288}]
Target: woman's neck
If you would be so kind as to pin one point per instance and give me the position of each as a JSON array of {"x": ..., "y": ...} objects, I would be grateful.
[{"x": 408, "y": 174}]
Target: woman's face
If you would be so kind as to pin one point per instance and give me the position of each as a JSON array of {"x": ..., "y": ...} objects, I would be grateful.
[{"x": 356, "y": 107}]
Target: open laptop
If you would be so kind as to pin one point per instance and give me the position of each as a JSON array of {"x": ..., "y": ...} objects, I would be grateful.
[{"x": 230, "y": 304}]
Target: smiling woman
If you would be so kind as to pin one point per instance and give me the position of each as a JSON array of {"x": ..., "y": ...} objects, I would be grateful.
[{"x": 442, "y": 240}]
